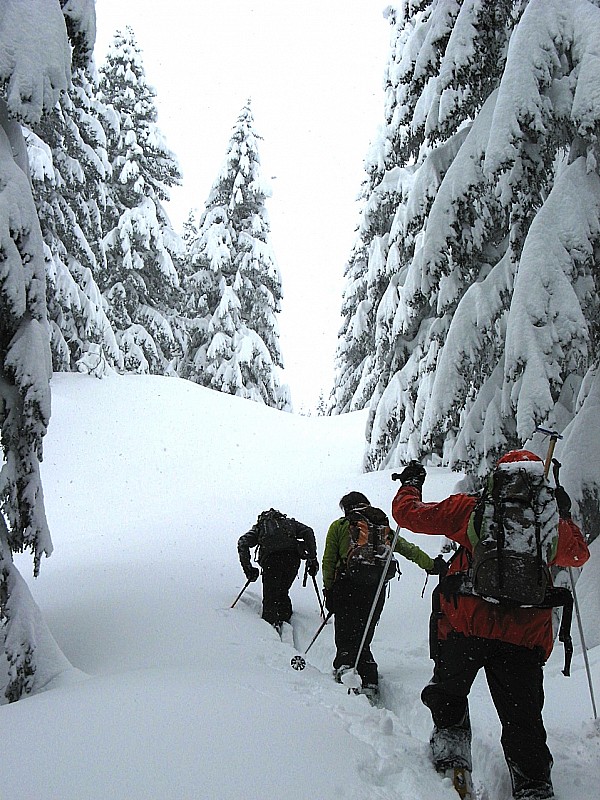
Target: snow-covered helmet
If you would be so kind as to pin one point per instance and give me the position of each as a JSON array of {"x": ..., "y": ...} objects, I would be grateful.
[{"x": 518, "y": 455}]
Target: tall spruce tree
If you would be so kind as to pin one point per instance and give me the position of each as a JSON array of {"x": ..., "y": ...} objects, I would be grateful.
[
  {"x": 361, "y": 352},
  {"x": 31, "y": 79},
  {"x": 234, "y": 286},
  {"x": 488, "y": 324},
  {"x": 69, "y": 169},
  {"x": 140, "y": 279}
]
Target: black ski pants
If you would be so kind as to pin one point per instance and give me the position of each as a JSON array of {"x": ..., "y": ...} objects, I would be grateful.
[
  {"x": 515, "y": 678},
  {"x": 278, "y": 572},
  {"x": 351, "y": 604}
]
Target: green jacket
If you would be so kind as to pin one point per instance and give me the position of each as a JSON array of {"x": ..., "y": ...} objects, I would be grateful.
[{"x": 338, "y": 542}]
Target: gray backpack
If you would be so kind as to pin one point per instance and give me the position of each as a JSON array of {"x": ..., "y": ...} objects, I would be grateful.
[{"x": 514, "y": 532}]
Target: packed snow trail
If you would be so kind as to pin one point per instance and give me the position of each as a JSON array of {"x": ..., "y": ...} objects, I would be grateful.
[{"x": 173, "y": 695}]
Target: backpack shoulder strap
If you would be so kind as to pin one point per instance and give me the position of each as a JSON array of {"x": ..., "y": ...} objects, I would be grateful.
[{"x": 476, "y": 517}]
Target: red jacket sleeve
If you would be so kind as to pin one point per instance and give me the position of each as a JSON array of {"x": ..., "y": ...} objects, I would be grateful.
[
  {"x": 572, "y": 551},
  {"x": 448, "y": 518}
]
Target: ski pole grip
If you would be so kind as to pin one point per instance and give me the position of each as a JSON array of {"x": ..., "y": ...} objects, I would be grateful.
[{"x": 556, "y": 465}]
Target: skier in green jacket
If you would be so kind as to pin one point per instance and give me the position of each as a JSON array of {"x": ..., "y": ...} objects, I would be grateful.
[{"x": 351, "y": 602}]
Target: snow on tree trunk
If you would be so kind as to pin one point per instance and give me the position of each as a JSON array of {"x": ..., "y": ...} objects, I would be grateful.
[{"x": 578, "y": 454}]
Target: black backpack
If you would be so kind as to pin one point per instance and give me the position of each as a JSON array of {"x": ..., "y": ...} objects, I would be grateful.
[
  {"x": 369, "y": 550},
  {"x": 275, "y": 532}
]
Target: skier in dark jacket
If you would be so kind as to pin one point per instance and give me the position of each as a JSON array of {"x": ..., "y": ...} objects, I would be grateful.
[
  {"x": 510, "y": 643},
  {"x": 282, "y": 542},
  {"x": 351, "y": 602}
]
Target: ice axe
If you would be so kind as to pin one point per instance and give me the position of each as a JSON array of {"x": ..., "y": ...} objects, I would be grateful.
[{"x": 554, "y": 437}]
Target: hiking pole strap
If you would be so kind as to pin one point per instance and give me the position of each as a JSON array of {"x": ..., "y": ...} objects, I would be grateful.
[
  {"x": 376, "y": 598},
  {"x": 246, "y": 585}
]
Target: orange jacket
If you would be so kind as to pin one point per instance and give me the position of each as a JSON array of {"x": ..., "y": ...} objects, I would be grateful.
[{"x": 473, "y": 616}]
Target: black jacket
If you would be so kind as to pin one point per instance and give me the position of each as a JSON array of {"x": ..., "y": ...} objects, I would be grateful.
[{"x": 274, "y": 533}]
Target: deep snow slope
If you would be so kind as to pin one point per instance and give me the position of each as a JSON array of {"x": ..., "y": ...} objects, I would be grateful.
[{"x": 174, "y": 695}]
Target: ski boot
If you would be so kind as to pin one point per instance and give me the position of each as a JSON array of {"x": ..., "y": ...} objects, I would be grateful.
[
  {"x": 340, "y": 672},
  {"x": 461, "y": 781},
  {"x": 371, "y": 692}
]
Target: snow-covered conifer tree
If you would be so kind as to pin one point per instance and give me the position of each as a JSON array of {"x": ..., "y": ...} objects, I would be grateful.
[
  {"x": 356, "y": 340},
  {"x": 427, "y": 118},
  {"x": 35, "y": 66},
  {"x": 370, "y": 280},
  {"x": 488, "y": 326},
  {"x": 69, "y": 168},
  {"x": 234, "y": 284},
  {"x": 140, "y": 278}
]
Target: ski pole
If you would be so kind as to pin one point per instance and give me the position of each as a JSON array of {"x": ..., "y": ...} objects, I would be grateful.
[
  {"x": 583, "y": 646},
  {"x": 246, "y": 585},
  {"x": 377, "y": 593},
  {"x": 318, "y": 597},
  {"x": 556, "y": 470},
  {"x": 299, "y": 662}
]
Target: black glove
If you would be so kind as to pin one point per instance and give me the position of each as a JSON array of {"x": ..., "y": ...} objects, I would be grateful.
[
  {"x": 252, "y": 573},
  {"x": 563, "y": 501},
  {"x": 312, "y": 566},
  {"x": 440, "y": 567},
  {"x": 412, "y": 475}
]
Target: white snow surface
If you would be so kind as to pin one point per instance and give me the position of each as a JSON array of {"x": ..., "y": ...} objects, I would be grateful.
[{"x": 172, "y": 694}]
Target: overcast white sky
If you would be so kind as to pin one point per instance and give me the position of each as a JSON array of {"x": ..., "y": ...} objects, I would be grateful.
[{"x": 314, "y": 72}]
